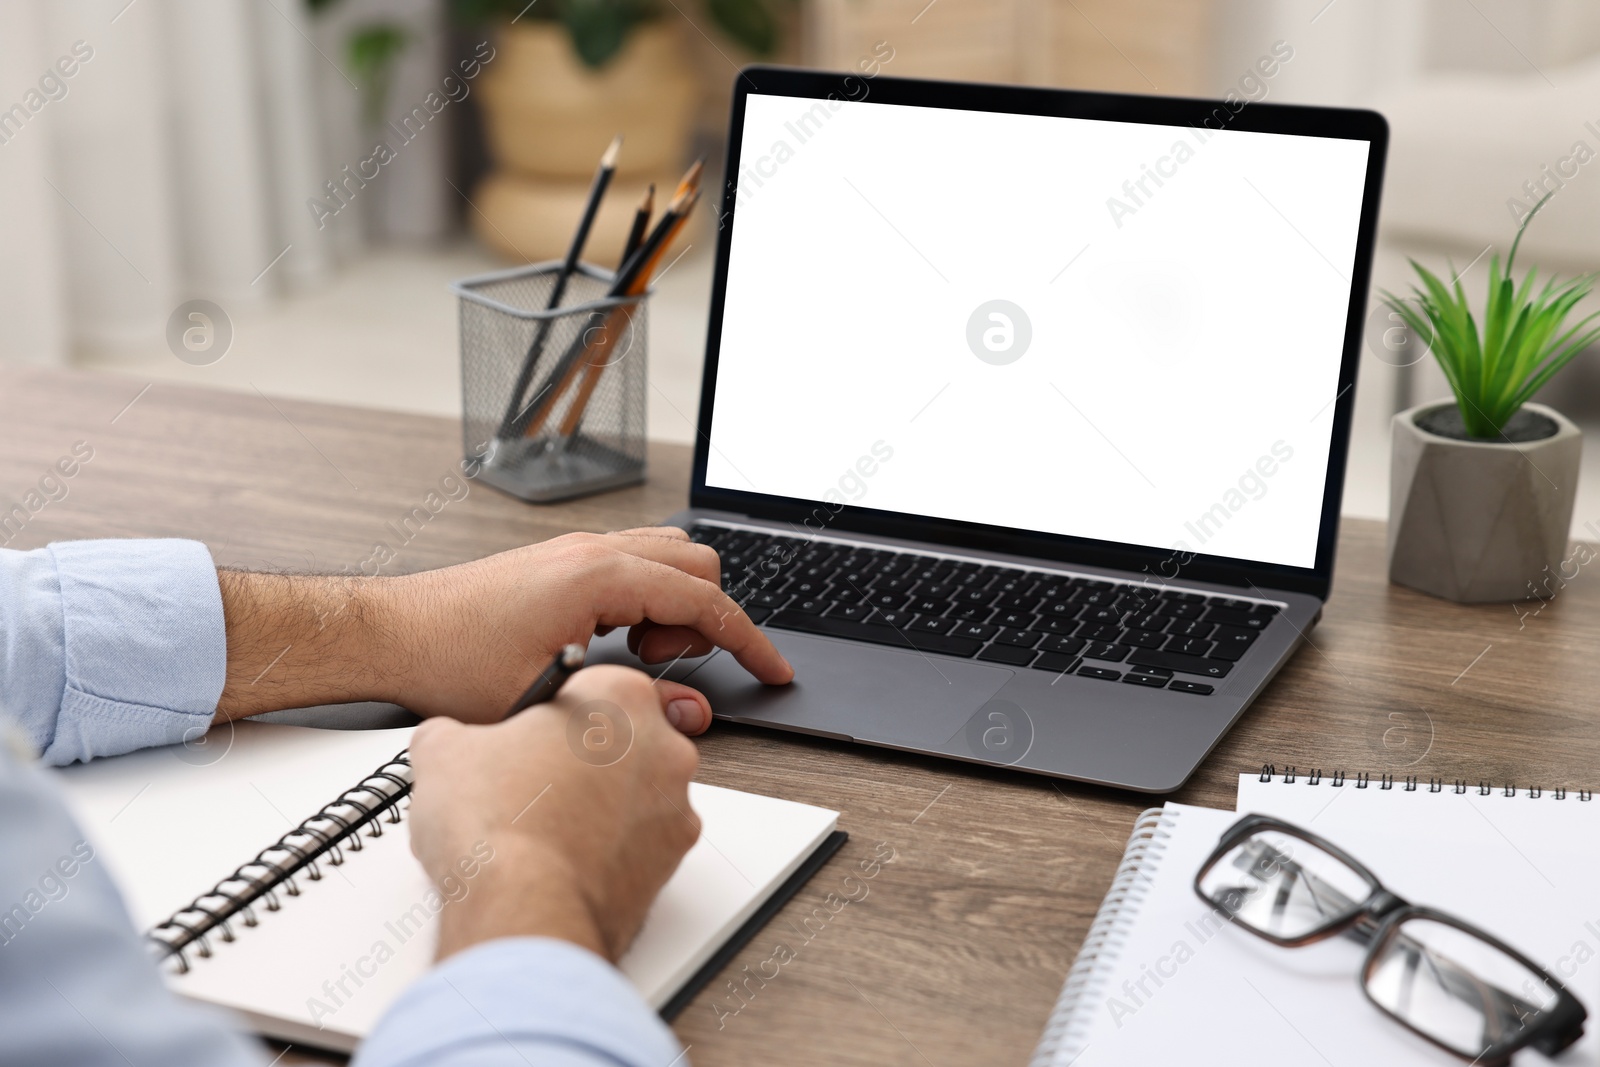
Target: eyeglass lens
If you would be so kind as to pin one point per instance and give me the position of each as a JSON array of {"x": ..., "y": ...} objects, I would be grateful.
[
  {"x": 1455, "y": 987},
  {"x": 1283, "y": 886}
]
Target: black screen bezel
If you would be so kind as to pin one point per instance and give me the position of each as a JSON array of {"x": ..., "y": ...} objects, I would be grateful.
[{"x": 1168, "y": 111}]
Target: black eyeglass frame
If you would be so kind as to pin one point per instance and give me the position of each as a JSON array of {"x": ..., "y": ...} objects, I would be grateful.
[{"x": 1375, "y": 921}]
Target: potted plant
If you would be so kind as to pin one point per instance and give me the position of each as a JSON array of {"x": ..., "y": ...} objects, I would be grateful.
[
  {"x": 566, "y": 76},
  {"x": 1481, "y": 491},
  {"x": 371, "y": 52}
]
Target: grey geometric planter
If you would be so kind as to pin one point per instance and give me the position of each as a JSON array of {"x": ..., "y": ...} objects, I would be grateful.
[{"x": 1475, "y": 521}]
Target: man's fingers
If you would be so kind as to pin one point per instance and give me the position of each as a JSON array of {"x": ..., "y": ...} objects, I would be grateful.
[
  {"x": 627, "y": 687},
  {"x": 686, "y": 708},
  {"x": 680, "y": 552},
  {"x": 661, "y": 644},
  {"x": 673, "y": 532},
  {"x": 657, "y": 644},
  {"x": 636, "y": 634},
  {"x": 641, "y": 589}
]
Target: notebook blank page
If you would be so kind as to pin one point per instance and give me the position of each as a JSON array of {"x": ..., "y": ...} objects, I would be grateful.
[
  {"x": 334, "y": 958},
  {"x": 324, "y": 967},
  {"x": 1188, "y": 988},
  {"x": 169, "y": 823}
]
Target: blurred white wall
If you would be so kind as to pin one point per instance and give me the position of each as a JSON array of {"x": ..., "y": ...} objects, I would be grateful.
[
  {"x": 1345, "y": 51},
  {"x": 215, "y": 144},
  {"x": 32, "y": 324},
  {"x": 110, "y": 163},
  {"x": 177, "y": 159}
]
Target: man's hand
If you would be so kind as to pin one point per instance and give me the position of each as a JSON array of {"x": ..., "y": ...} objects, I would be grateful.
[
  {"x": 579, "y": 850},
  {"x": 464, "y": 641}
]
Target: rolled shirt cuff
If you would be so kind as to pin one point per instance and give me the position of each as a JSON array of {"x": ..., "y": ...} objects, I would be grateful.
[{"x": 144, "y": 646}]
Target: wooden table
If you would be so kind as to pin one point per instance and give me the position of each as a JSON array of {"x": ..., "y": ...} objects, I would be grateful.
[{"x": 957, "y": 951}]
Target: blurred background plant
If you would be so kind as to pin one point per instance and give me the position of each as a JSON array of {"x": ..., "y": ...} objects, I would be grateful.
[
  {"x": 371, "y": 51},
  {"x": 599, "y": 28}
]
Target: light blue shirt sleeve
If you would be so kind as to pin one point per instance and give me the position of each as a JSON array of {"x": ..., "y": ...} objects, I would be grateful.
[
  {"x": 521, "y": 1000},
  {"x": 109, "y": 646},
  {"x": 80, "y": 987}
]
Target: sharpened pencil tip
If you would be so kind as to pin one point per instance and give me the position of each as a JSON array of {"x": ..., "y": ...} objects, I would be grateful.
[
  {"x": 610, "y": 158},
  {"x": 691, "y": 177}
]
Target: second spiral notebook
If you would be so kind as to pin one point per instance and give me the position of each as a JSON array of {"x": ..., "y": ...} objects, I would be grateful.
[
  {"x": 319, "y": 961},
  {"x": 1162, "y": 978}
]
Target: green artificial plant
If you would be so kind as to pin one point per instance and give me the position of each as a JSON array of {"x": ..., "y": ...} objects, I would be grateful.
[
  {"x": 1523, "y": 342},
  {"x": 371, "y": 52},
  {"x": 599, "y": 28}
]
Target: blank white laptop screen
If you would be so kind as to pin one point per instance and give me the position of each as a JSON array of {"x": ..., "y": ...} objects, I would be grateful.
[{"x": 1110, "y": 330}]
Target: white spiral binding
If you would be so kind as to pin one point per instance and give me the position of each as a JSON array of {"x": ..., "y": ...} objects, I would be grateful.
[{"x": 1060, "y": 1045}]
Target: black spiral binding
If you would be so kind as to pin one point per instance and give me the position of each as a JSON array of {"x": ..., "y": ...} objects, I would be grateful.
[
  {"x": 1291, "y": 775},
  {"x": 301, "y": 849}
]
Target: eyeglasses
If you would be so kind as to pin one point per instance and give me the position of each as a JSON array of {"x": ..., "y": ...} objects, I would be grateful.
[{"x": 1439, "y": 976}]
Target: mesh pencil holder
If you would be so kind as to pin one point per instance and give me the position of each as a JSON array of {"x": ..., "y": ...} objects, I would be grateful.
[{"x": 553, "y": 401}]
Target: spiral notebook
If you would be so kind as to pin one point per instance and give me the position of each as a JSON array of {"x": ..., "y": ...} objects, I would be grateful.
[
  {"x": 337, "y": 931},
  {"x": 1160, "y": 979}
]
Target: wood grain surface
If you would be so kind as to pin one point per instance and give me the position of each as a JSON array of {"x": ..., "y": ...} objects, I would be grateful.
[{"x": 953, "y": 952}]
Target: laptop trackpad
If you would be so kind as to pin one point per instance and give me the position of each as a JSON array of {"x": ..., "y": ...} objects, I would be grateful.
[{"x": 840, "y": 687}]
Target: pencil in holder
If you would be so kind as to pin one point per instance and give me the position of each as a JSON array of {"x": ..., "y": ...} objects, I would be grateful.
[{"x": 553, "y": 400}]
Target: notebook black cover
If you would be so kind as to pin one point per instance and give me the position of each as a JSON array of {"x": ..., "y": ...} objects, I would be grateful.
[{"x": 763, "y": 915}]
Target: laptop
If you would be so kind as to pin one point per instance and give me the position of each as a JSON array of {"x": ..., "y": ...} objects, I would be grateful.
[{"x": 1025, "y": 412}]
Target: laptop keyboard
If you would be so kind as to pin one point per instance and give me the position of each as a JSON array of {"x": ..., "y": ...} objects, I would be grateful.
[{"x": 1113, "y": 631}]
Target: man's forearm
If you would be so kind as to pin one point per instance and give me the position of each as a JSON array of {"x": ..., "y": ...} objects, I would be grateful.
[
  {"x": 463, "y": 641},
  {"x": 300, "y": 640}
]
